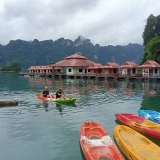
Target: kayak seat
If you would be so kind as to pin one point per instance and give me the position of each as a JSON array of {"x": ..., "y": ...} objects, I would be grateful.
[
  {"x": 106, "y": 140},
  {"x": 147, "y": 116},
  {"x": 98, "y": 142},
  {"x": 94, "y": 137},
  {"x": 104, "y": 158},
  {"x": 157, "y": 117}
]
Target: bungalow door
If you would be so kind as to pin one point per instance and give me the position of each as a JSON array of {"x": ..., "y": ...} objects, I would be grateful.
[
  {"x": 150, "y": 72},
  {"x": 65, "y": 70},
  {"x": 99, "y": 70},
  {"x": 110, "y": 71},
  {"x": 128, "y": 72}
]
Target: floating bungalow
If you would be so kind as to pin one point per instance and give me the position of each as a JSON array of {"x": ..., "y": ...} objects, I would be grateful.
[
  {"x": 78, "y": 66},
  {"x": 111, "y": 69},
  {"x": 150, "y": 69},
  {"x": 129, "y": 68},
  {"x": 41, "y": 70}
]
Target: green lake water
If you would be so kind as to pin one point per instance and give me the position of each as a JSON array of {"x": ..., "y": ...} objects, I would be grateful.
[{"x": 35, "y": 130}]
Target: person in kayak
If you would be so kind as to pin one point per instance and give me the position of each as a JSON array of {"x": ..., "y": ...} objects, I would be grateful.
[
  {"x": 46, "y": 93},
  {"x": 60, "y": 94}
]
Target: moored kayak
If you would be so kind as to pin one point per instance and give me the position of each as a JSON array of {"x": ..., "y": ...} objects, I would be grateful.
[
  {"x": 150, "y": 114},
  {"x": 96, "y": 144},
  {"x": 140, "y": 124},
  {"x": 56, "y": 100},
  {"x": 134, "y": 145}
]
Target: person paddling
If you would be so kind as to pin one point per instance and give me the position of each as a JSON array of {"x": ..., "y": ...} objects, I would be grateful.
[
  {"x": 60, "y": 94},
  {"x": 46, "y": 93}
]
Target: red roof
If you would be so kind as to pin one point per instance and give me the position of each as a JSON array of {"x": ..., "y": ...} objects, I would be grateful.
[
  {"x": 150, "y": 64},
  {"x": 129, "y": 65},
  {"x": 74, "y": 60},
  {"x": 76, "y": 56},
  {"x": 39, "y": 67},
  {"x": 95, "y": 66},
  {"x": 111, "y": 65}
]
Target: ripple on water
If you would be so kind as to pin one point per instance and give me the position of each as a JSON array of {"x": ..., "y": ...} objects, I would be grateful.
[{"x": 34, "y": 130}]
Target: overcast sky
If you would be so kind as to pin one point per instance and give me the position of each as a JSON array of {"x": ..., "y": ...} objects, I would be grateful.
[{"x": 104, "y": 22}]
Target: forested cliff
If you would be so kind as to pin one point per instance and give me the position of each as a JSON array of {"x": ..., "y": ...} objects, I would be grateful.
[{"x": 35, "y": 52}]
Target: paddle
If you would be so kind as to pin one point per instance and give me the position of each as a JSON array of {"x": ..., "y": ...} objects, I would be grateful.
[
  {"x": 38, "y": 94},
  {"x": 38, "y": 105}
]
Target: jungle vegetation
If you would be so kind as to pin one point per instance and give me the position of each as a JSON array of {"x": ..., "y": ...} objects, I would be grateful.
[
  {"x": 151, "y": 39},
  {"x": 13, "y": 66},
  {"x": 34, "y": 53}
]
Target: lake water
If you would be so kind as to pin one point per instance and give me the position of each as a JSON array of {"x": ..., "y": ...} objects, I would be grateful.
[{"x": 48, "y": 131}]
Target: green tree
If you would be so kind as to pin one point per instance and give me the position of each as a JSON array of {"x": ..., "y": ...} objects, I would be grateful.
[
  {"x": 153, "y": 49},
  {"x": 13, "y": 66},
  {"x": 149, "y": 31},
  {"x": 151, "y": 37}
]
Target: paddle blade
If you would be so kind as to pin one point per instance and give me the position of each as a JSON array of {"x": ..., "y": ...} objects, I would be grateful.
[
  {"x": 38, "y": 94},
  {"x": 38, "y": 105}
]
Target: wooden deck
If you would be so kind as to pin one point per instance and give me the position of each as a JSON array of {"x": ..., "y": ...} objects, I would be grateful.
[{"x": 92, "y": 76}]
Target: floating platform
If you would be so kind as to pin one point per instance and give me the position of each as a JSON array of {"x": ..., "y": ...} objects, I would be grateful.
[{"x": 7, "y": 103}]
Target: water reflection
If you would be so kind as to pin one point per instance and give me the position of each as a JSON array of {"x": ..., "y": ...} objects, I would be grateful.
[
  {"x": 60, "y": 108},
  {"x": 45, "y": 105},
  {"x": 72, "y": 104},
  {"x": 32, "y": 118},
  {"x": 59, "y": 105}
]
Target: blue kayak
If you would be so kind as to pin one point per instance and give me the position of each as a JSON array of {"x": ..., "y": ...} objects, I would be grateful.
[{"x": 150, "y": 115}]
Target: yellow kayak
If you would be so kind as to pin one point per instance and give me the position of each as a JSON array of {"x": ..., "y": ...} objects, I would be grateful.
[{"x": 134, "y": 145}]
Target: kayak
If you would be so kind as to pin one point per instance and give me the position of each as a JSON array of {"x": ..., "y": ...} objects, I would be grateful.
[
  {"x": 134, "y": 145},
  {"x": 140, "y": 124},
  {"x": 96, "y": 144},
  {"x": 150, "y": 114},
  {"x": 54, "y": 99}
]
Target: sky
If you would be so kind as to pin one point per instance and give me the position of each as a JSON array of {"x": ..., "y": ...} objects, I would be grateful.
[{"x": 104, "y": 22}]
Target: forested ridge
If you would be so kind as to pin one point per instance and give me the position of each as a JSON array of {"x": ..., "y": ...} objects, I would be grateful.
[
  {"x": 151, "y": 39},
  {"x": 31, "y": 53}
]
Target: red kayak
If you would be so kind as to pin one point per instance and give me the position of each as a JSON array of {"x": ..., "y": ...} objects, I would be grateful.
[
  {"x": 140, "y": 124},
  {"x": 97, "y": 144}
]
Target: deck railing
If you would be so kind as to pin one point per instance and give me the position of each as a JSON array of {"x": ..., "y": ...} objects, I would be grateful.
[{"x": 136, "y": 75}]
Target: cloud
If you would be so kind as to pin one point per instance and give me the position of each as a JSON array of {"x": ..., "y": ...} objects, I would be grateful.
[{"x": 106, "y": 22}]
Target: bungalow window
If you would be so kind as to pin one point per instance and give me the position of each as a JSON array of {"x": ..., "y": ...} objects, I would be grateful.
[
  {"x": 80, "y": 70},
  {"x": 155, "y": 70},
  {"x": 114, "y": 70},
  {"x": 69, "y": 70},
  {"x": 88, "y": 70},
  {"x": 133, "y": 70}
]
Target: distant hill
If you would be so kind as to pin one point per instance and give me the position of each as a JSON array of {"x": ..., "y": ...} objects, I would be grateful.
[{"x": 45, "y": 52}]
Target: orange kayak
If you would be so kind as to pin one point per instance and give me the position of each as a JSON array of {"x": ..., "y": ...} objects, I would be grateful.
[{"x": 96, "y": 144}]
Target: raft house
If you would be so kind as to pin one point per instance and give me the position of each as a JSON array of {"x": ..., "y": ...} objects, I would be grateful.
[{"x": 78, "y": 66}]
